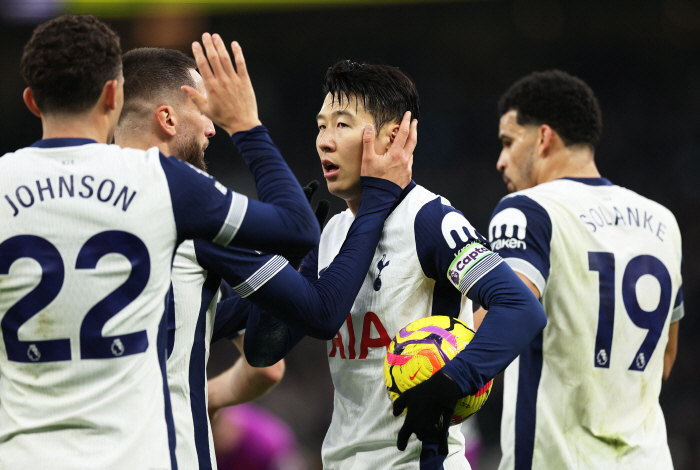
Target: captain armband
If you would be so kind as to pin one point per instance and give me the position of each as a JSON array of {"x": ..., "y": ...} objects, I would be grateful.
[{"x": 470, "y": 265}]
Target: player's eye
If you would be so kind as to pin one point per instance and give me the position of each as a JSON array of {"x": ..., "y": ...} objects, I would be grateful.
[
  {"x": 342, "y": 124},
  {"x": 321, "y": 127}
]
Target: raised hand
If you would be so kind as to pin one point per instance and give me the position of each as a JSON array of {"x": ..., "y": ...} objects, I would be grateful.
[
  {"x": 395, "y": 165},
  {"x": 230, "y": 101}
]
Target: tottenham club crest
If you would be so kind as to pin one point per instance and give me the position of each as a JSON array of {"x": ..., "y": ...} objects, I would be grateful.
[{"x": 381, "y": 265}]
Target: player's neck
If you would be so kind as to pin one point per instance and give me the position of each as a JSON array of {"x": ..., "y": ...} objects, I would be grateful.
[
  {"x": 82, "y": 126},
  {"x": 353, "y": 205},
  {"x": 573, "y": 163}
]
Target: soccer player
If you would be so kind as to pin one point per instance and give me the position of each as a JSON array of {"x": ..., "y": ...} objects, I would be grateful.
[
  {"x": 87, "y": 236},
  {"x": 606, "y": 264},
  {"x": 428, "y": 259},
  {"x": 158, "y": 112}
]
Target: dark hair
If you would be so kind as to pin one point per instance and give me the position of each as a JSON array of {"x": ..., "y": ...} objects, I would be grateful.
[
  {"x": 385, "y": 92},
  {"x": 68, "y": 61},
  {"x": 557, "y": 99},
  {"x": 152, "y": 72}
]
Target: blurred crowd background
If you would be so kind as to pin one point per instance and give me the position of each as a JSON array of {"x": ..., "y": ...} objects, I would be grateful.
[{"x": 642, "y": 58}]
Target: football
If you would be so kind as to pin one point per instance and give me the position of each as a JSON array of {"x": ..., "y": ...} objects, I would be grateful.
[{"x": 422, "y": 348}]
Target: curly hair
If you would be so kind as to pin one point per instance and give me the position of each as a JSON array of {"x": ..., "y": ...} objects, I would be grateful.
[
  {"x": 68, "y": 61},
  {"x": 385, "y": 92},
  {"x": 564, "y": 102}
]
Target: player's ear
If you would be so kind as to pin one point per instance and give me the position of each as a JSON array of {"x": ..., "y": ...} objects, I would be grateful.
[
  {"x": 388, "y": 134},
  {"x": 545, "y": 140},
  {"x": 167, "y": 121},
  {"x": 109, "y": 92},
  {"x": 28, "y": 97}
]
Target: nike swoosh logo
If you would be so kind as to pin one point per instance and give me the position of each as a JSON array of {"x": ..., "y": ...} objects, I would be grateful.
[{"x": 414, "y": 375}]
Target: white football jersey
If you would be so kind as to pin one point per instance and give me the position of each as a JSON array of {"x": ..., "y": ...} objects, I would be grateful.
[
  {"x": 607, "y": 262},
  {"x": 87, "y": 237},
  {"x": 197, "y": 273},
  {"x": 402, "y": 285},
  {"x": 195, "y": 295}
]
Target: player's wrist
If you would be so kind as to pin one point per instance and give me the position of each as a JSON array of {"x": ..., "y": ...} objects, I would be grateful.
[
  {"x": 381, "y": 184},
  {"x": 243, "y": 126},
  {"x": 450, "y": 391}
]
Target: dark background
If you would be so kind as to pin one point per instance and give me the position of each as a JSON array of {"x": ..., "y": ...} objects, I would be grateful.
[{"x": 642, "y": 58}]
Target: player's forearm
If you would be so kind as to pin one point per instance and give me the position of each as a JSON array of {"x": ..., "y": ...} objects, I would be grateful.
[
  {"x": 283, "y": 212},
  {"x": 319, "y": 308},
  {"x": 514, "y": 319},
  {"x": 242, "y": 383}
]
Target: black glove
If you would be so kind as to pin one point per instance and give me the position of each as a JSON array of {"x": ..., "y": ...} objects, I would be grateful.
[
  {"x": 430, "y": 407},
  {"x": 323, "y": 206}
]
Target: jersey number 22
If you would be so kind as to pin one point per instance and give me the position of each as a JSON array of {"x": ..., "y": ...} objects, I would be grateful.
[{"x": 92, "y": 344}]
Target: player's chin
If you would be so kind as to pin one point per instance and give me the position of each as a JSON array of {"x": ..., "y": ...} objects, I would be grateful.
[
  {"x": 338, "y": 187},
  {"x": 334, "y": 186}
]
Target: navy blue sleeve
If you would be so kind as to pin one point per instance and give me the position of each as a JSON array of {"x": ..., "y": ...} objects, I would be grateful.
[
  {"x": 521, "y": 231},
  {"x": 319, "y": 308},
  {"x": 514, "y": 319},
  {"x": 231, "y": 317},
  {"x": 202, "y": 207},
  {"x": 268, "y": 339},
  {"x": 309, "y": 265},
  {"x": 449, "y": 248},
  {"x": 244, "y": 270},
  {"x": 226, "y": 290},
  {"x": 678, "y": 307},
  {"x": 281, "y": 222}
]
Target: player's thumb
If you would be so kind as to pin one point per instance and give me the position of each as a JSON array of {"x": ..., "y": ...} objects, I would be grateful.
[
  {"x": 400, "y": 405},
  {"x": 196, "y": 98}
]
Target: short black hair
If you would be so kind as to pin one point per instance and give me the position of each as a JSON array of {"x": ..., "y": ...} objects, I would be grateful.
[
  {"x": 151, "y": 73},
  {"x": 564, "y": 102},
  {"x": 386, "y": 92},
  {"x": 68, "y": 61}
]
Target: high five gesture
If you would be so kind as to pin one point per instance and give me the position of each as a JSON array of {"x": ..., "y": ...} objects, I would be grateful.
[{"x": 230, "y": 99}]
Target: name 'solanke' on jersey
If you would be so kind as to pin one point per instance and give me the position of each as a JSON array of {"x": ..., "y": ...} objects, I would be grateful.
[
  {"x": 599, "y": 218},
  {"x": 106, "y": 191}
]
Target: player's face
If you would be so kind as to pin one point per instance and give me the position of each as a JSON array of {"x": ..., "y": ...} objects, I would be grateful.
[
  {"x": 339, "y": 145},
  {"x": 194, "y": 130},
  {"x": 518, "y": 155}
]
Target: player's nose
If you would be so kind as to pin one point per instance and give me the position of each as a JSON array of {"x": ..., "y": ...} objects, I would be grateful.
[
  {"x": 209, "y": 130},
  {"x": 502, "y": 161},
  {"x": 326, "y": 141}
]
